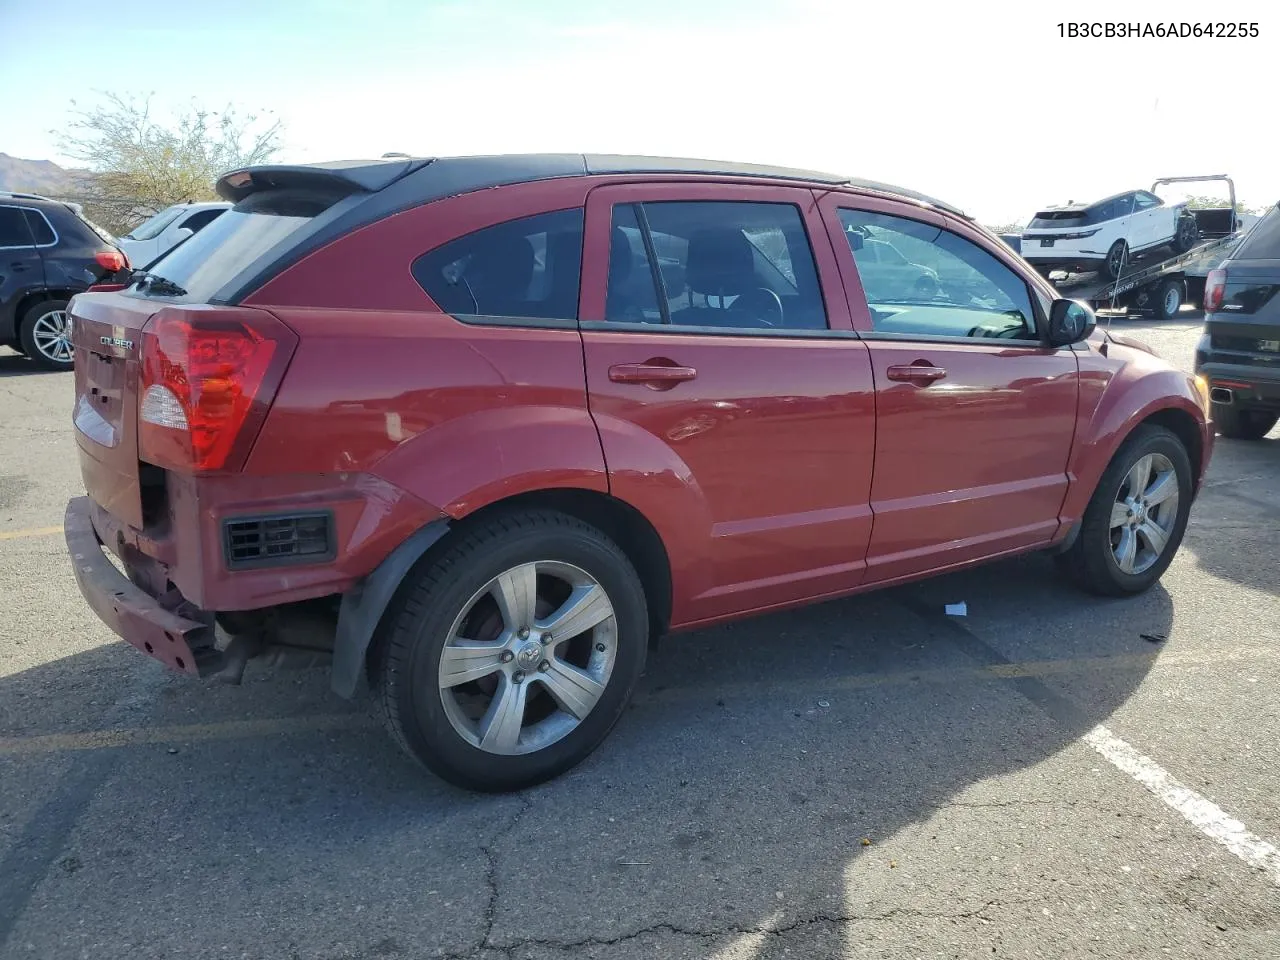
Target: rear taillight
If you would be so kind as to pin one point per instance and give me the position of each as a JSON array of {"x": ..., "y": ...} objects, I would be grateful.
[
  {"x": 207, "y": 380},
  {"x": 112, "y": 261},
  {"x": 1215, "y": 287}
]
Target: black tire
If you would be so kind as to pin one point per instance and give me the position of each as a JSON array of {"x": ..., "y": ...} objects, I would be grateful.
[
  {"x": 1117, "y": 258},
  {"x": 1169, "y": 297},
  {"x": 27, "y": 335},
  {"x": 1237, "y": 424},
  {"x": 1090, "y": 562},
  {"x": 406, "y": 662},
  {"x": 1186, "y": 235}
]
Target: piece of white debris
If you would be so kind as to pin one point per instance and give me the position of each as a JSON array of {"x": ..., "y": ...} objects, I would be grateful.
[{"x": 957, "y": 609}]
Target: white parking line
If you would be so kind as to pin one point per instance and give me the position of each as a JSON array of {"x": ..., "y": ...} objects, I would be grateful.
[{"x": 1205, "y": 815}]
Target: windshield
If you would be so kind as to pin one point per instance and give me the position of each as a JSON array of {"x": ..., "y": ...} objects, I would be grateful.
[
  {"x": 154, "y": 226},
  {"x": 203, "y": 264}
]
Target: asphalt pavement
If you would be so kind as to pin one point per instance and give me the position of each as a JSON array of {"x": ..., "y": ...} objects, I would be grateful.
[{"x": 1052, "y": 775}]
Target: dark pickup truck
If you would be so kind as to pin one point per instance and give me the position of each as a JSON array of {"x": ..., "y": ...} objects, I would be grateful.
[{"x": 1239, "y": 353}]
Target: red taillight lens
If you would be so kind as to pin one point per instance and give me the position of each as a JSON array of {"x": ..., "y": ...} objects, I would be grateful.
[
  {"x": 1215, "y": 287},
  {"x": 203, "y": 381},
  {"x": 113, "y": 261}
]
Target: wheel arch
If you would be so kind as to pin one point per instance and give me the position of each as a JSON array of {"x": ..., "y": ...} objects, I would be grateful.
[
  {"x": 364, "y": 608},
  {"x": 39, "y": 296}
]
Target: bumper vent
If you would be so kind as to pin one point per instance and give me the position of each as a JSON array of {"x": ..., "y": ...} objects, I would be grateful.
[{"x": 277, "y": 540}]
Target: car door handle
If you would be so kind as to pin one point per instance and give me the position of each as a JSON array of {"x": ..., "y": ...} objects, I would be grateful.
[
  {"x": 921, "y": 372},
  {"x": 657, "y": 373}
]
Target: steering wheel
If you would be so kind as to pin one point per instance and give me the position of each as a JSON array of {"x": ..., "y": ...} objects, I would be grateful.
[{"x": 762, "y": 305}]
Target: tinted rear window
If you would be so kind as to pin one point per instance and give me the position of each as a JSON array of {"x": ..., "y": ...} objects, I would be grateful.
[
  {"x": 1263, "y": 241},
  {"x": 40, "y": 229},
  {"x": 1058, "y": 218},
  {"x": 521, "y": 268},
  {"x": 206, "y": 262}
]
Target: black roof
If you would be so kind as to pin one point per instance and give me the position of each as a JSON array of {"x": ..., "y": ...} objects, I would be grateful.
[
  {"x": 365, "y": 191},
  {"x": 438, "y": 177}
]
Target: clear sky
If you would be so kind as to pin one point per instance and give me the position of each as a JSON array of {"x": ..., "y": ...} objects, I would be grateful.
[{"x": 981, "y": 104}]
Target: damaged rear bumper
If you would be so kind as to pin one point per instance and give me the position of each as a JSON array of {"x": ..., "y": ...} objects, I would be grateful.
[{"x": 180, "y": 642}]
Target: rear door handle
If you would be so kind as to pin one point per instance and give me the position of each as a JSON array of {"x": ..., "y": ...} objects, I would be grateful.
[
  {"x": 656, "y": 373},
  {"x": 921, "y": 372}
]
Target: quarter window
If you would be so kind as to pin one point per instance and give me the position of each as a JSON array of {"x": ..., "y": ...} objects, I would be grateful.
[
  {"x": 738, "y": 265},
  {"x": 41, "y": 231},
  {"x": 521, "y": 268},
  {"x": 13, "y": 228},
  {"x": 936, "y": 283}
]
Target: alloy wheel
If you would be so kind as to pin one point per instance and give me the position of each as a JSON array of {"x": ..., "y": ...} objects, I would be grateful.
[
  {"x": 1144, "y": 513},
  {"x": 51, "y": 334},
  {"x": 528, "y": 658}
]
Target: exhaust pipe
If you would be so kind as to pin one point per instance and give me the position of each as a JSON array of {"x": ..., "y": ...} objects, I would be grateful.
[{"x": 1222, "y": 395}]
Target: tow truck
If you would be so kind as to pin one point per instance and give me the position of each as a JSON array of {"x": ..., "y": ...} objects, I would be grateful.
[{"x": 1152, "y": 285}]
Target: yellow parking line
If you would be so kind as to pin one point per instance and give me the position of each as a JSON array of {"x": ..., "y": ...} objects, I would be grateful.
[
  {"x": 33, "y": 532},
  {"x": 188, "y": 733}
]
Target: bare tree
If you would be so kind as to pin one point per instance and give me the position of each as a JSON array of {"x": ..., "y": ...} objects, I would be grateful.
[
  {"x": 138, "y": 164},
  {"x": 1200, "y": 203}
]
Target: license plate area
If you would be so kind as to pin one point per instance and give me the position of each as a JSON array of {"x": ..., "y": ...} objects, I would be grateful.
[{"x": 1047, "y": 242}]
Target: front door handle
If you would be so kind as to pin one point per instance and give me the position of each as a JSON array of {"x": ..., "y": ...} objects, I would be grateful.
[
  {"x": 921, "y": 372},
  {"x": 654, "y": 373}
]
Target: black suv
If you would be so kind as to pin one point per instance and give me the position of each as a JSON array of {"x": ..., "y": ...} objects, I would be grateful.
[
  {"x": 48, "y": 253},
  {"x": 1239, "y": 353}
]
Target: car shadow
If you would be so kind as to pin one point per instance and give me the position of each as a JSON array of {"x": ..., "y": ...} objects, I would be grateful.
[
  {"x": 753, "y": 783},
  {"x": 13, "y": 364}
]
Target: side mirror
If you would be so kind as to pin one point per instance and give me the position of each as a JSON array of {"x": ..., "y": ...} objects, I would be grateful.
[
  {"x": 855, "y": 239},
  {"x": 1070, "y": 321}
]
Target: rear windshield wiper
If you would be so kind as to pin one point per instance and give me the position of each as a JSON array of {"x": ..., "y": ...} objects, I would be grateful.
[{"x": 156, "y": 284}]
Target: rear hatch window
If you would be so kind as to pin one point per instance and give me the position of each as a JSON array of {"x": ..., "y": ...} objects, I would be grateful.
[
  {"x": 1262, "y": 242},
  {"x": 213, "y": 257},
  {"x": 1058, "y": 218}
]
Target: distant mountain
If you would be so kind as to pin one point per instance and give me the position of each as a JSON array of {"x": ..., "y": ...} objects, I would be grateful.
[{"x": 36, "y": 176}]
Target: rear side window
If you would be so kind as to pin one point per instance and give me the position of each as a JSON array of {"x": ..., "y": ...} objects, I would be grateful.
[
  {"x": 1263, "y": 241},
  {"x": 201, "y": 219},
  {"x": 41, "y": 231},
  {"x": 741, "y": 265},
  {"x": 13, "y": 228},
  {"x": 521, "y": 268},
  {"x": 211, "y": 259},
  {"x": 942, "y": 284}
]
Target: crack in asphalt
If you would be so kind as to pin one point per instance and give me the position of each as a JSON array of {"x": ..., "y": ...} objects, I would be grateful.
[
  {"x": 491, "y": 878},
  {"x": 782, "y": 930}
]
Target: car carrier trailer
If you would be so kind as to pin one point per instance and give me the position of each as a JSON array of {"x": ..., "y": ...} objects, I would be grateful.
[{"x": 1156, "y": 285}]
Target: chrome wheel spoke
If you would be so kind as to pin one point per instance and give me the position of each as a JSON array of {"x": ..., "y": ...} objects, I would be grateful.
[
  {"x": 1139, "y": 475},
  {"x": 586, "y": 607},
  {"x": 570, "y": 687},
  {"x": 465, "y": 660},
  {"x": 1164, "y": 487},
  {"x": 1119, "y": 514},
  {"x": 1155, "y": 537},
  {"x": 516, "y": 592},
  {"x": 1127, "y": 550},
  {"x": 502, "y": 722}
]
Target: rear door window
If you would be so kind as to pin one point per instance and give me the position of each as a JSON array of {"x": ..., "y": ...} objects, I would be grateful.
[
  {"x": 200, "y": 219},
  {"x": 526, "y": 268},
  {"x": 738, "y": 264},
  {"x": 13, "y": 228},
  {"x": 41, "y": 230}
]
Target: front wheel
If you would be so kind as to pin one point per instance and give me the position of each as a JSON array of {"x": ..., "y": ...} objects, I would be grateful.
[
  {"x": 1135, "y": 521},
  {"x": 1236, "y": 424},
  {"x": 511, "y": 655}
]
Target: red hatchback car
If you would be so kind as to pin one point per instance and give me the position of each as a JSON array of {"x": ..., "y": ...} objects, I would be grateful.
[{"x": 487, "y": 426}]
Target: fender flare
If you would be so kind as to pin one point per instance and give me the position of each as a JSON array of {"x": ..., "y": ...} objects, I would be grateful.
[{"x": 363, "y": 606}]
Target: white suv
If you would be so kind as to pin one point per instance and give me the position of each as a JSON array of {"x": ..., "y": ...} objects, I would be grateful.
[
  {"x": 1103, "y": 236},
  {"x": 145, "y": 244}
]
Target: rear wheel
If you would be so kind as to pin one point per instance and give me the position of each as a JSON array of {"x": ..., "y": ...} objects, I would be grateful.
[
  {"x": 512, "y": 655},
  {"x": 1135, "y": 521},
  {"x": 1188, "y": 232},
  {"x": 1116, "y": 259},
  {"x": 1237, "y": 424},
  {"x": 45, "y": 335},
  {"x": 1168, "y": 299}
]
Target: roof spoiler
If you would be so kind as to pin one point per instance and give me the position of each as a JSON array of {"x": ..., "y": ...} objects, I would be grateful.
[{"x": 344, "y": 176}]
